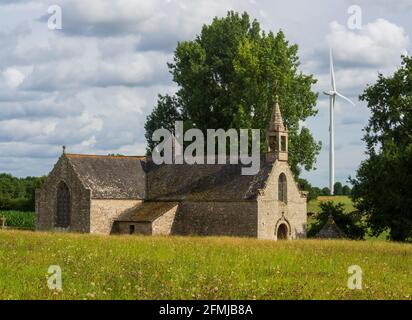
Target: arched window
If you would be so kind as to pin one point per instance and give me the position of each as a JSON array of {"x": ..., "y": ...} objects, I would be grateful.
[
  {"x": 283, "y": 189},
  {"x": 63, "y": 206}
]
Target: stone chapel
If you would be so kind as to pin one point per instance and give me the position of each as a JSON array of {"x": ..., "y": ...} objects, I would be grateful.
[{"x": 133, "y": 195}]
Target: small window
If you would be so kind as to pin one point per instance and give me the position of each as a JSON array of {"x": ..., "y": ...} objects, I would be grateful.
[
  {"x": 283, "y": 143},
  {"x": 132, "y": 228},
  {"x": 272, "y": 143}
]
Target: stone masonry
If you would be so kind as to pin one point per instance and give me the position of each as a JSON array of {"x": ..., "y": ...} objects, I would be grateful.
[{"x": 132, "y": 195}]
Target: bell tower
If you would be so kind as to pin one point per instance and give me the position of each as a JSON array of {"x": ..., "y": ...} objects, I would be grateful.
[{"x": 276, "y": 136}]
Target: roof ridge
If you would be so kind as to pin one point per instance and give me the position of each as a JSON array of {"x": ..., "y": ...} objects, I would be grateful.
[
  {"x": 73, "y": 155},
  {"x": 109, "y": 177}
]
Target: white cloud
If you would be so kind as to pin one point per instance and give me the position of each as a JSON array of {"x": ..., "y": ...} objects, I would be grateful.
[
  {"x": 123, "y": 69},
  {"x": 158, "y": 24},
  {"x": 13, "y": 77},
  {"x": 379, "y": 43}
]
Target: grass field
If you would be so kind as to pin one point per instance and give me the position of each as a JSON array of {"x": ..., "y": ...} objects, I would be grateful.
[
  {"x": 129, "y": 267},
  {"x": 313, "y": 205},
  {"x": 19, "y": 219}
]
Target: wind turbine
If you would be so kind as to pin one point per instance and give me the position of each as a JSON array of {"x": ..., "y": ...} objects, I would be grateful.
[{"x": 332, "y": 96}]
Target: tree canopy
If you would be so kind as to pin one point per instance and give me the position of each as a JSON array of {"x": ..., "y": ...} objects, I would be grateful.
[
  {"x": 382, "y": 186},
  {"x": 18, "y": 193},
  {"x": 228, "y": 77}
]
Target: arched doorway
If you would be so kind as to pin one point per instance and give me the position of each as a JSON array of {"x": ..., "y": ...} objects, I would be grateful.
[
  {"x": 63, "y": 206},
  {"x": 282, "y": 232}
]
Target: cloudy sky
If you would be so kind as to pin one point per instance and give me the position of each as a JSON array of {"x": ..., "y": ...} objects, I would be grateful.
[{"x": 91, "y": 85}]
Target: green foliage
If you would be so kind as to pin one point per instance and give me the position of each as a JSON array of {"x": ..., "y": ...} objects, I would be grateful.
[
  {"x": 228, "y": 77},
  {"x": 164, "y": 115},
  {"x": 18, "y": 193},
  {"x": 346, "y": 191},
  {"x": 304, "y": 185},
  {"x": 341, "y": 190},
  {"x": 19, "y": 204},
  {"x": 338, "y": 189},
  {"x": 19, "y": 219},
  {"x": 350, "y": 223},
  {"x": 382, "y": 187},
  {"x": 315, "y": 192},
  {"x": 325, "y": 191}
]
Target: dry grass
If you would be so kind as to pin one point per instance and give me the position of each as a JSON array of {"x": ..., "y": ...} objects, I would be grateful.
[{"x": 128, "y": 267}]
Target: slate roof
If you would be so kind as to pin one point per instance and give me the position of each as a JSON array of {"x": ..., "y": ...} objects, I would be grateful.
[
  {"x": 120, "y": 177},
  {"x": 110, "y": 177},
  {"x": 219, "y": 182},
  {"x": 330, "y": 231},
  {"x": 147, "y": 211}
]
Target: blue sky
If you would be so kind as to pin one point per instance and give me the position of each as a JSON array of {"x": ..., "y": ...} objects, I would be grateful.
[{"x": 91, "y": 85}]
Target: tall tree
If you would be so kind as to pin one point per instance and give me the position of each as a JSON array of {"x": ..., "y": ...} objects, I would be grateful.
[
  {"x": 164, "y": 115},
  {"x": 346, "y": 191},
  {"x": 228, "y": 77},
  {"x": 382, "y": 187},
  {"x": 325, "y": 191},
  {"x": 338, "y": 189}
]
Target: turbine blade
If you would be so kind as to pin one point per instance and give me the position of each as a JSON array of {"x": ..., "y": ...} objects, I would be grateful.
[
  {"x": 343, "y": 97},
  {"x": 332, "y": 71}
]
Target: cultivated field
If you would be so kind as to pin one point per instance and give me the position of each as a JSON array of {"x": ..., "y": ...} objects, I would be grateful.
[
  {"x": 129, "y": 267},
  {"x": 19, "y": 219}
]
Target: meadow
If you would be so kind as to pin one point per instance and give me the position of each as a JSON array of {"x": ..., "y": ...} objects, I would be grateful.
[{"x": 135, "y": 267}]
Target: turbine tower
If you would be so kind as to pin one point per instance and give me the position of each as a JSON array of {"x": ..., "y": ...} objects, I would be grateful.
[{"x": 332, "y": 97}]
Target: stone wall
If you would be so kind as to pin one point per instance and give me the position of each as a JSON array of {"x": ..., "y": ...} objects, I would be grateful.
[
  {"x": 142, "y": 228},
  {"x": 216, "y": 219},
  {"x": 164, "y": 224},
  {"x": 46, "y": 200},
  {"x": 103, "y": 213},
  {"x": 259, "y": 218},
  {"x": 161, "y": 226},
  {"x": 272, "y": 212}
]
